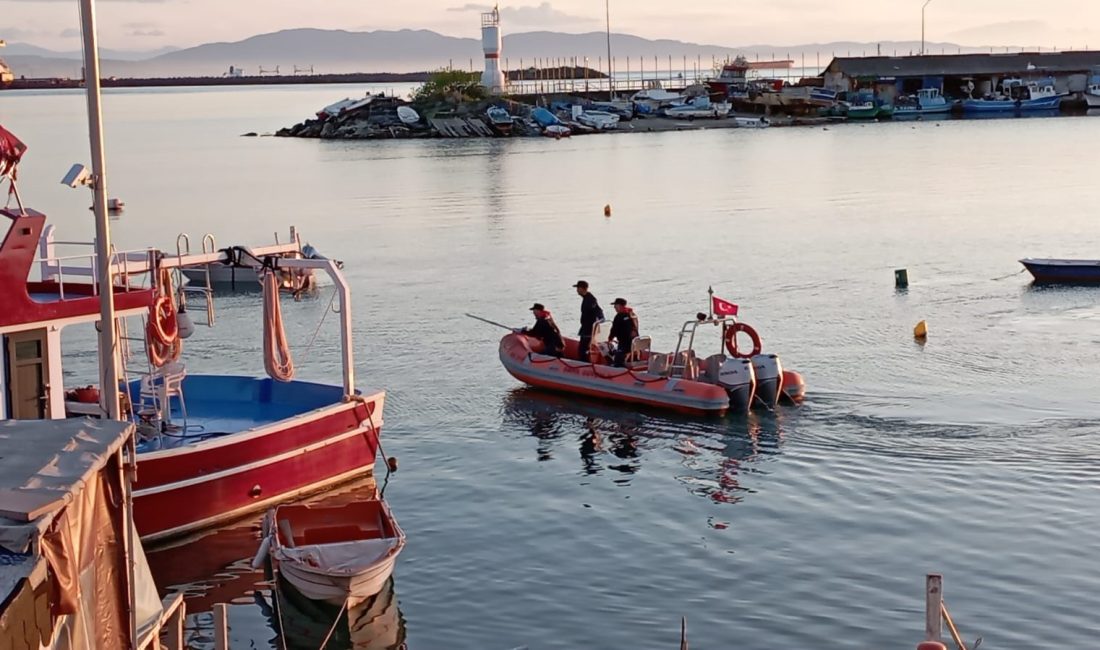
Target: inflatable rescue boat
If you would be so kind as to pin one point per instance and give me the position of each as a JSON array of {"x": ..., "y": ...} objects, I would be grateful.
[{"x": 731, "y": 379}]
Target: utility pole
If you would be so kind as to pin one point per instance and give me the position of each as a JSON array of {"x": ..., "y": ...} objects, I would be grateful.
[
  {"x": 923, "y": 7},
  {"x": 610, "y": 69}
]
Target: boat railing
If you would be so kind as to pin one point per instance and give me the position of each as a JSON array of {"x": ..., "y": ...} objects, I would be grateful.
[{"x": 123, "y": 264}]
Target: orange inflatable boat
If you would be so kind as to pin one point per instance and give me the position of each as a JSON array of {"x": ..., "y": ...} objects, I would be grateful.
[{"x": 729, "y": 380}]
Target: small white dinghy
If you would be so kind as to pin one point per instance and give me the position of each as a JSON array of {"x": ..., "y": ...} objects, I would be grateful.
[
  {"x": 336, "y": 554},
  {"x": 408, "y": 115}
]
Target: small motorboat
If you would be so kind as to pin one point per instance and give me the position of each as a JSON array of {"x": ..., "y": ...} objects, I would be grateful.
[
  {"x": 599, "y": 120},
  {"x": 729, "y": 380},
  {"x": 408, "y": 115},
  {"x": 500, "y": 120},
  {"x": 241, "y": 272},
  {"x": 752, "y": 122},
  {"x": 337, "y": 554},
  {"x": 557, "y": 131},
  {"x": 1060, "y": 271},
  {"x": 697, "y": 107}
]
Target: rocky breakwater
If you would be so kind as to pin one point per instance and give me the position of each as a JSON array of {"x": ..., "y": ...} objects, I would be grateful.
[{"x": 373, "y": 117}]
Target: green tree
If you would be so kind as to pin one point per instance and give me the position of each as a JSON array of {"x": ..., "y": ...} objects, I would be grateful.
[{"x": 453, "y": 86}]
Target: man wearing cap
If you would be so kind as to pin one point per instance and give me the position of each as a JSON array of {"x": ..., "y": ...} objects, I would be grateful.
[
  {"x": 591, "y": 313},
  {"x": 546, "y": 331},
  {"x": 624, "y": 329}
]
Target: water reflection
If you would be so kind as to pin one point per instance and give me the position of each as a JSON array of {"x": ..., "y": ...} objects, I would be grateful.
[{"x": 375, "y": 624}]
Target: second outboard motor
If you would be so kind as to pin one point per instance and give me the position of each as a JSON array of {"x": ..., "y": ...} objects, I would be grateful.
[
  {"x": 739, "y": 380},
  {"x": 769, "y": 378}
]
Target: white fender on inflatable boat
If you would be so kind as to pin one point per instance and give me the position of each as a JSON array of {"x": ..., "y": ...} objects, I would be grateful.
[
  {"x": 769, "y": 378},
  {"x": 739, "y": 380}
]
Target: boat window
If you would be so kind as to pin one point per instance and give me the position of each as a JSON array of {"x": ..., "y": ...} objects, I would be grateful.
[{"x": 27, "y": 350}]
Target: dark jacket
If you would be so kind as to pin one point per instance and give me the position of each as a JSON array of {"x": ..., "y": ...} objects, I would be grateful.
[
  {"x": 590, "y": 314},
  {"x": 624, "y": 328},
  {"x": 547, "y": 331}
]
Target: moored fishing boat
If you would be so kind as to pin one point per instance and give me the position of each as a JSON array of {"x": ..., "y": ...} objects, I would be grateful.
[
  {"x": 730, "y": 379},
  {"x": 500, "y": 120},
  {"x": 1017, "y": 95},
  {"x": 1063, "y": 271},
  {"x": 927, "y": 101},
  {"x": 342, "y": 554},
  {"x": 599, "y": 120},
  {"x": 212, "y": 447}
]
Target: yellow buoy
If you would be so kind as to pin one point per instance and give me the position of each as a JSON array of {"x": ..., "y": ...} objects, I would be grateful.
[
  {"x": 921, "y": 330},
  {"x": 607, "y": 210}
]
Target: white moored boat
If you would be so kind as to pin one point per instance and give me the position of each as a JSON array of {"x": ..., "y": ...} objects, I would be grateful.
[{"x": 336, "y": 554}]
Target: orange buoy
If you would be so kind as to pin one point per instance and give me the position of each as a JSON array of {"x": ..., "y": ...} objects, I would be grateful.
[
  {"x": 607, "y": 210},
  {"x": 931, "y": 645},
  {"x": 794, "y": 387}
]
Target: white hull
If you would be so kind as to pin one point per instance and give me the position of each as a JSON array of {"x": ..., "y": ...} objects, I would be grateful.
[
  {"x": 336, "y": 588},
  {"x": 1093, "y": 100},
  {"x": 235, "y": 277}
]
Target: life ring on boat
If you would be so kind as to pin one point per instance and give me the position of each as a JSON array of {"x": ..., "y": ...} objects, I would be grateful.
[
  {"x": 731, "y": 340},
  {"x": 163, "y": 326}
]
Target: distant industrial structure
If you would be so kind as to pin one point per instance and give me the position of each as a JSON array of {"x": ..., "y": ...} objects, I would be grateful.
[
  {"x": 493, "y": 77},
  {"x": 959, "y": 75}
]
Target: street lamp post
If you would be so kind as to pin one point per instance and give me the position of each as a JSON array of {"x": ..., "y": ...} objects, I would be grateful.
[
  {"x": 923, "y": 7},
  {"x": 610, "y": 68}
]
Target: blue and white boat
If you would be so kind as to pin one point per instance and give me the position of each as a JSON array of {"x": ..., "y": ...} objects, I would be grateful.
[
  {"x": 1017, "y": 95},
  {"x": 927, "y": 101}
]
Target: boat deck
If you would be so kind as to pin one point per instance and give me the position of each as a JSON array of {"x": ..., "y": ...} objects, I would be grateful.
[{"x": 222, "y": 405}]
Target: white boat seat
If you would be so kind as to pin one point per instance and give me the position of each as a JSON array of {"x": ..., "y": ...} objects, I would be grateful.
[
  {"x": 162, "y": 385},
  {"x": 600, "y": 331},
  {"x": 639, "y": 348},
  {"x": 659, "y": 363}
]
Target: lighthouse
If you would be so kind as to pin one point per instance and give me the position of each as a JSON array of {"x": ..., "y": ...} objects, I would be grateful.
[{"x": 492, "y": 78}]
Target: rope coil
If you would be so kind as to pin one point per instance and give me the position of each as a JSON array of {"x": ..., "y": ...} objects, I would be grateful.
[{"x": 277, "y": 361}]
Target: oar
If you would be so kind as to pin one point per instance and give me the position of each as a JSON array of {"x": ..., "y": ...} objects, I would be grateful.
[{"x": 491, "y": 322}]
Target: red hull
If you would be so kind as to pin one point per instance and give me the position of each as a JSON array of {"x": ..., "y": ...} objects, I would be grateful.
[{"x": 200, "y": 485}]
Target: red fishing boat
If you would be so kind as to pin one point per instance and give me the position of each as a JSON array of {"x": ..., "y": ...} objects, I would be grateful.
[
  {"x": 211, "y": 447},
  {"x": 728, "y": 379}
]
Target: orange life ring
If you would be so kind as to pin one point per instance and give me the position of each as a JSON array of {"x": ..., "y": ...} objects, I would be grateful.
[
  {"x": 162, "y": 320},
  {"x": 731, "y": 340}
]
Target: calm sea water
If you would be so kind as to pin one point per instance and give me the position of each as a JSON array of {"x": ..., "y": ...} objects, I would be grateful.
[{"x": 976, "y": 455}]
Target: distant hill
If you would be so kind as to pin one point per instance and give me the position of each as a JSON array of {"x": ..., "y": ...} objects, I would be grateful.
[{"x": 334, "y": 51}]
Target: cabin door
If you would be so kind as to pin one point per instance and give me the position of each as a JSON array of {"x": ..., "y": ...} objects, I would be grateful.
[{"x": 28, "y": 374}]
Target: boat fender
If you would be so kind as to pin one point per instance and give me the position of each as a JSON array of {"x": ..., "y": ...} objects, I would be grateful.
[
  {"x": 731, "y": 340},
  {"x": 261, "y": 554}
]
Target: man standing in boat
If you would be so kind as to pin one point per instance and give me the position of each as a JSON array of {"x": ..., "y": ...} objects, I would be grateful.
[
  {"x": 591, "y": 313},
  {"x": 624, "y": 329},
  {"x": 546, "y": 331}
]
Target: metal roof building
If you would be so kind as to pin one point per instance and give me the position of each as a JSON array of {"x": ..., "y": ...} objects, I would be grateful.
[{"x": 842, "y": 70}]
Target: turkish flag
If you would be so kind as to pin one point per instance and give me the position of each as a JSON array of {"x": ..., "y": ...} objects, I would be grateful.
[
  {"x": 11, "y": 150},
  {"x": 723, "y": 307}
]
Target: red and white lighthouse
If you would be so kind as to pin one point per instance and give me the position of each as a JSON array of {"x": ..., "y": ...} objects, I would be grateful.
[{"x": 493, "y": 77}]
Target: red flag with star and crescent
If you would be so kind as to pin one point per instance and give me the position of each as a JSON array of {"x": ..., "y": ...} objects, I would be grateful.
[
  {"x": 722, "y": 307},
  {"x": 11, "y": 150}
]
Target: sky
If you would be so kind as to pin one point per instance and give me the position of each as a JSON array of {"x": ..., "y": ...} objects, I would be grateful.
[{"x": 153, "y": 24}]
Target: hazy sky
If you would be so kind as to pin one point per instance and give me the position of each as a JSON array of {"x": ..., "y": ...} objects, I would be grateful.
[{"x": 149, "y": 24}]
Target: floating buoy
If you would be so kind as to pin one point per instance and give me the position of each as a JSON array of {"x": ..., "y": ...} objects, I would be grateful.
[
  {"x": 607, "y": 210},
  {"x": 921, "y": 331},
  {"x": 931, "y": 645},
  {"x": 793, "y": 386},
  {"x": 391, "y": 463},
  {"x": 901, "y": 278}
]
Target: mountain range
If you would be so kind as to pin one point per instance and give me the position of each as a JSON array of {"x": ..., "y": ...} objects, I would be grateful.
[{"x": 336, "y": 51}]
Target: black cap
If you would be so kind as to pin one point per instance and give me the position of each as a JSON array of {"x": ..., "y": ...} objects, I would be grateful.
[
  {"x": 538, "y": 307},
  {"x": 620, "y": 301},
  {"x": 581, "y": 284}
]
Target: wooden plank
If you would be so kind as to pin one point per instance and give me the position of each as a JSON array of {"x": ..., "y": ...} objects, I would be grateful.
[
  {"x": 933, "y": 607},
  {"x": 221, "y": 626},
  {"x": 28, "y": 505}
]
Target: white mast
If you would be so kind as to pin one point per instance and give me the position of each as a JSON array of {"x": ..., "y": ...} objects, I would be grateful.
[{"x": 108, "y": 345}]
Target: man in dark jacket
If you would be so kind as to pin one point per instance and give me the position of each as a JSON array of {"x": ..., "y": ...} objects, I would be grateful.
[
  {"x": 624, "y": 329},
  {"x": 590, "y": 315},
  {"x": 546, "y": 331}
]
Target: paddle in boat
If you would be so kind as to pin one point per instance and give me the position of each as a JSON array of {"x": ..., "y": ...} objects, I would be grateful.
[
  {"x": 724, "y": 378},
  {"x": 212, "y": 447},
  {"x": 340, "y": 554}
]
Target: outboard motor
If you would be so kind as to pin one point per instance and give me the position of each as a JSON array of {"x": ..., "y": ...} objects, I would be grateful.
[
  {"x": 739, "y": 380},
  {"x": 769, "y": 378}
]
